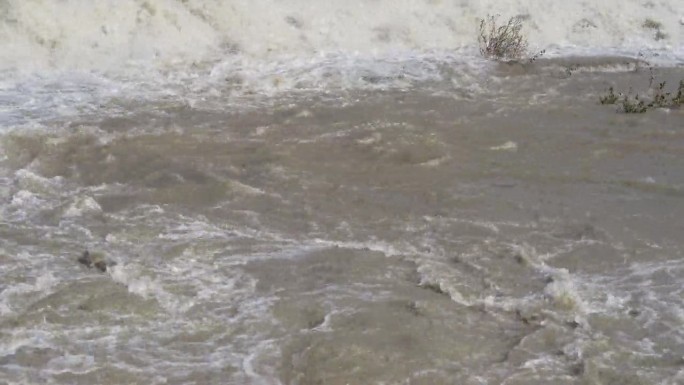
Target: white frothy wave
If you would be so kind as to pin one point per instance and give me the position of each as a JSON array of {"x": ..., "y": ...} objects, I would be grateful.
[
  {"x": 107, "y": 34},
  {"x": 83, "y": 206},
  {"x": 70, "y": 57},
  {"x": 147, "y": 287},
  {"x": 42, "y": 284}
]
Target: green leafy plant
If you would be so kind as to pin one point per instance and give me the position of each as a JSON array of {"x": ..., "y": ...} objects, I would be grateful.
[
  {"x": 656, "y": 26},
  {"x": 633, "y": 105},
  {"x": 678, "y": 99},
  {"x": 652, "y": 24},
  {"x": 660, "y": 97},
  {"x": 609, "y": 97}
]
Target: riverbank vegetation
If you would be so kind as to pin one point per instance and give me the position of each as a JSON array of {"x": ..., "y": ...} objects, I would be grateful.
[
  {"x": 504, "y": 42},
  {"x": 634, "y": 104}
]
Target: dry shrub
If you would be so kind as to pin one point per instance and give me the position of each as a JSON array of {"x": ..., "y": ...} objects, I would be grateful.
[{"x": 502, "y": 42}]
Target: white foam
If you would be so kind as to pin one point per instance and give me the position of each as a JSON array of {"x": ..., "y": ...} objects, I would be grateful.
[
  {"x": 564, "y": 293},
  {"x": 82, "y": 206},
  {"x": 508, "y": 146},
  {"x": 90, "y": 50},
  {"x": 72, "y": 362},
  {"x": 195, "y": 230},
  {"x": 43, "y": 283},
  {"x": 105, "y": 35},
  {"x": 26, "y": 199},
  {"x": 28, "y": 180},
  {"x": 148, "y": 288}
]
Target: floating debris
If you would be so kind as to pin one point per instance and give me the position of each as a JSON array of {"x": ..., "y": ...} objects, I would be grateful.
[
  {"x": 101, "y": 265},
  {"x": 93, "y": 260},
  {"x": 85, "y": 259}
]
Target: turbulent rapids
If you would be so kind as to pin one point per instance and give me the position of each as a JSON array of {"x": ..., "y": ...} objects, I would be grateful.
[{"x": 343, "y": 192}]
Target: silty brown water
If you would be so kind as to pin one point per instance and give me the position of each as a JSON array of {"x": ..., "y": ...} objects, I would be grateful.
[{"x": 524, "y": 234}]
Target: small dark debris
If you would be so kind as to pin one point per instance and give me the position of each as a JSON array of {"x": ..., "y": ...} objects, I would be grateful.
[
  {"x": 372, "y": 79},
  {"x": 528, "y": 319},
  {"x": 634, "y": 312},
  {"x": 584, "y": 24},
  {"x": 89, "y": 261},
  {"x": 519, "y": 259},
  {"x": 101, "y": 265},
  {"x": 85, "y": 259},
  {"x": 573, "y": 324},
  {"x": 316, "y": 323},
  {"x": 577, "y": 369},
  {"x": 291, "y": 20}
]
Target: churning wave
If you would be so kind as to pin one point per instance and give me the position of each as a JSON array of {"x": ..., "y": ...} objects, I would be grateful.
[{"x": 91, "y": 51}]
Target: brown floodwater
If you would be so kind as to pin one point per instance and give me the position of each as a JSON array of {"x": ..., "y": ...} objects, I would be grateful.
[{"x": 509, "y": 231}]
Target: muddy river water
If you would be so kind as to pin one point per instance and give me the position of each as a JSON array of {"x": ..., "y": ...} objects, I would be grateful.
[{"x": 517, "y": 233}]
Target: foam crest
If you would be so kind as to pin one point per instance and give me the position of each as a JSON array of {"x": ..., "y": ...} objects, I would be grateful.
[
  {"x": 43, "y": 284},
  {"x": 82, "y": 206},
  {"x": 105, "y": 35},
  {"x": 70, "y": 57},
  {"x": 147, "y": 287},
  {"x": 564, "y": 293}
]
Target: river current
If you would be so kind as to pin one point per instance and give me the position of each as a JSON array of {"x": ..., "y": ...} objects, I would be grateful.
[{"x": 390, "y": 211}]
